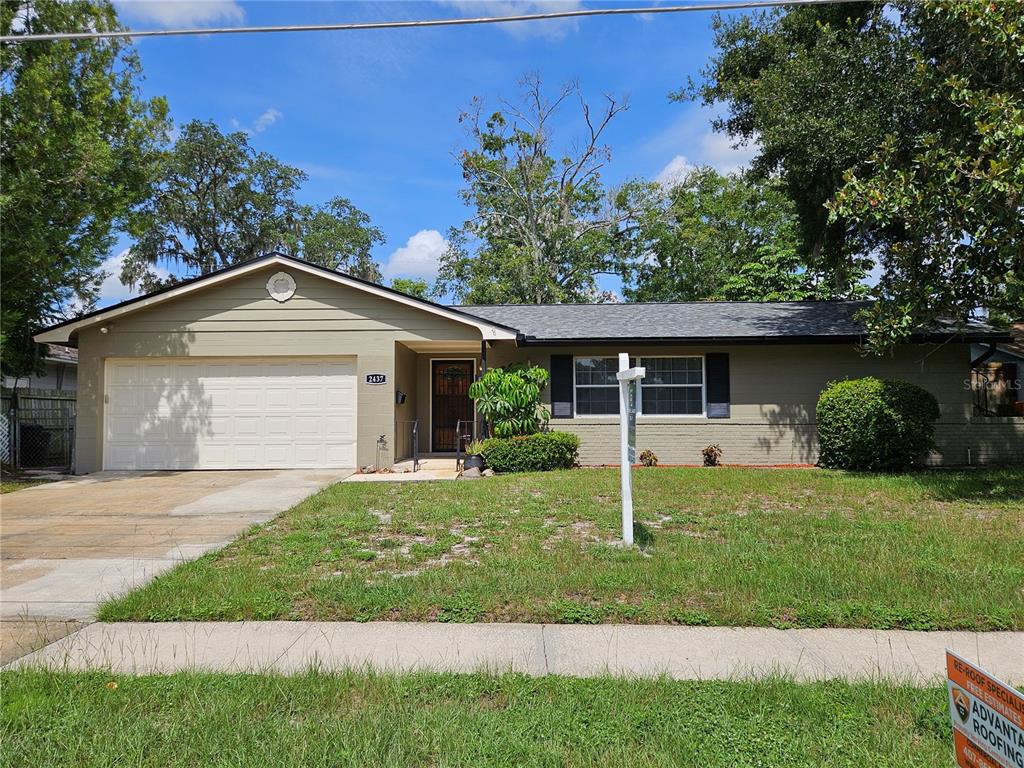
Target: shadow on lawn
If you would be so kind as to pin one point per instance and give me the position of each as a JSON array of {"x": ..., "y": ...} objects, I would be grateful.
[{"x": 993, "y": 485}]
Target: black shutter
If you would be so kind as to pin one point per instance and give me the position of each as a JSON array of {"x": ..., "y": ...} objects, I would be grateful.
[
  {"x": 716, "y": 365},
  {"x": 561, "y": 386}
]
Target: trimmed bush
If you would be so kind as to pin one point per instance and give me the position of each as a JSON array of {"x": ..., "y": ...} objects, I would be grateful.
[
  {"x": 532, "y": 453},
  {"x": 875, "y": 424}
]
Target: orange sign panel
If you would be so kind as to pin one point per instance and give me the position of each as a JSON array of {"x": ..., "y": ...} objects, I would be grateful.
[{"x": 987, "y": 715}]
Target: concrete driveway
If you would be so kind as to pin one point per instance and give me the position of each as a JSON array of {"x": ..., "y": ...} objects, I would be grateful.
[{"x": 65, "y": 547}]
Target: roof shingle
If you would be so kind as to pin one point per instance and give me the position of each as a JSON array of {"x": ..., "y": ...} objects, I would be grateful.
[{"x": 704, "y": 320}]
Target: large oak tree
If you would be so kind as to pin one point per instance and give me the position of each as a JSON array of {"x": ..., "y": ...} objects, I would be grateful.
[
  {"x": 217, "y": 202},
  {"x": 897, "y": 131},
  {"x": 77, "y": 147}
]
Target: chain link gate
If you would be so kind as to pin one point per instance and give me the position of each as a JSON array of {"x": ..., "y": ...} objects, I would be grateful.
[{"x": 41, "y": 433}]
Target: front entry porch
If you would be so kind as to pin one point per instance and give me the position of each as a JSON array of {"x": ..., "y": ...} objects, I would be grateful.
[{"x": 435, "y": 419}]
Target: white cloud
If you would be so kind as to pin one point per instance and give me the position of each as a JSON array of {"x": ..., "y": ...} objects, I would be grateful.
[
  {"x": 112, "y": 290},
  {"x": 692, "y": 132},
  {"x": 419, "y": 256},
  {"x": 266, "y": 119},
  {"x": 181, "y": 13},
  {"x": 553, "y": 29},
  {"x": 717, "y": 151},
  {"x": 674, "y": 172}
]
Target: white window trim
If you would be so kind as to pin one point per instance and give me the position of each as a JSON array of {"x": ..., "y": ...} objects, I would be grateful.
[
  {"x": 639, "y": 395},
  {"x": 577, "y": 415}
]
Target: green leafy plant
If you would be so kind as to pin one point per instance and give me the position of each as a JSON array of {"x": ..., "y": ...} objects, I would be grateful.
[
  {"x": 509, "y": 399},
  {"x": 875, "y": 424},
  {"x": 648, "y": 458},
  {"x": 712, "y": 455},
  {"x": 532, "y": 453},
  {"x": 475, "y": 448}
]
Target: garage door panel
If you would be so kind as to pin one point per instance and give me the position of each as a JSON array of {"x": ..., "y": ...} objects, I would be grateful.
[
  {"x": 212, "y": 414},
  {"x": 247, "y": 398},
  {"x": 308, "y": 426},
  {"x": 278, "y": 398},
  {"x": 248, "y": 427}
]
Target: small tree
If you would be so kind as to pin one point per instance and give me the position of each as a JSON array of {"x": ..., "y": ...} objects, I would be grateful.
[{"x": 509, "y": 400}]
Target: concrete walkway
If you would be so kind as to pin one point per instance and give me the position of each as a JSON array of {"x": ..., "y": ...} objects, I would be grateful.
[
  {"x": 702, "y": 653},
  {"x": 66, "y": 546}
]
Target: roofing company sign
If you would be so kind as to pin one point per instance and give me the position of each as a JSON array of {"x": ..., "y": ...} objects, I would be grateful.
[{"x": 988, "y": 717}]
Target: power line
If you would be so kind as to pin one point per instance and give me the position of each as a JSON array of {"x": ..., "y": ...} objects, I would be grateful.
[{"x": 730, "y": 6}]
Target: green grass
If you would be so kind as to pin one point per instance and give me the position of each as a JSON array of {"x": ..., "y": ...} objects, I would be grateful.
[
  {"x": 10, "y": 486},
  {"x": 59, "y": 719},
  {"x": 778, "y": 548}
]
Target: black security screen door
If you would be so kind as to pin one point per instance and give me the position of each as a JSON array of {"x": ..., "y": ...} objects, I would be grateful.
[{"x": 450, "y": 380}]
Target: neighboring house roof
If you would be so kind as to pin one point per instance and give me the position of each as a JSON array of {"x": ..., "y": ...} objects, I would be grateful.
[
  {"x": 61, "y": 332},
  {"x": 696, "y": 321},
  {"x": 1016, "y": 345},
  {"x": 57, "y": 353}
]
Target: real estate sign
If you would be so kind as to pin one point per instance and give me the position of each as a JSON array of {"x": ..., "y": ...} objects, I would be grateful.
[
  {"x": 629, "y": 380},
  {"x": 987, "y": 715}
]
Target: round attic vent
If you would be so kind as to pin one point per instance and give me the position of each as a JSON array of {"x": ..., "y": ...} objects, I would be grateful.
[{"x": 281, "y": 286}]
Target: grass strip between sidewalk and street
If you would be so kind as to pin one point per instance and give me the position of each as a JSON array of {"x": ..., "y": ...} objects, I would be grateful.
[
  {"x": 746, "y": 547},
  {"x": 354, "y": 719}
]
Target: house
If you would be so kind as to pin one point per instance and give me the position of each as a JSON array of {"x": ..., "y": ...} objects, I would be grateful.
[
  {"x": 998, "y": 376},
  {"x": 280, "y": 363},
  {"x": 57, "y": 373}
]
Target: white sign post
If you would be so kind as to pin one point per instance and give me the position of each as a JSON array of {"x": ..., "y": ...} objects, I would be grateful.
[{"x": 629, "y": 380}]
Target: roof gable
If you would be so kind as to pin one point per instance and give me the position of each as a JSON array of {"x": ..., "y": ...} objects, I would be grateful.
[{"x": 62, "y": 332}]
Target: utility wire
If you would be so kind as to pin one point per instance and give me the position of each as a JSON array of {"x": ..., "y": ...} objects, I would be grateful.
[{"x": 729, "y": 6}]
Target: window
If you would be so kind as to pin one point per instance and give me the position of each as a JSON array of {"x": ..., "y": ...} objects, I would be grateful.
[
  {"x": 673, "y": 386},
  {"x": 597, "y": 389}
]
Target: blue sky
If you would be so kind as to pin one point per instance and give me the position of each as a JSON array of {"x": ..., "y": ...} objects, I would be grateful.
[{"x": 373, "y": 115}]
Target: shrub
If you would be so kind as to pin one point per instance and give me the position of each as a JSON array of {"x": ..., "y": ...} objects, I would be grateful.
[
  {"x": 509, "y": 399},
  {"x": 532, "y": 453},
  {"x": 875, "y": 424},
  {"x": 712, "y": 455},
  {"x": 649, "y": 458}
]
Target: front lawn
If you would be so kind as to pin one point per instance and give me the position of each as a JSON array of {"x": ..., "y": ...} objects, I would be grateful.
[
  {"x": 755, "y": 547},
  {"x": 93, "y": 719}
]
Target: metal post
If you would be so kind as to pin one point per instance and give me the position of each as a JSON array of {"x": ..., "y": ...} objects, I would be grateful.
[
  {"x": 484, "y": 431},
  {"x": 415, "y": 446},
  {"x": 624, "y": 462}
]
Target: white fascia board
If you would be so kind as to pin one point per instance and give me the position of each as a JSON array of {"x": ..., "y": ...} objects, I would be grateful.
[{"x": 63, "y": 333}]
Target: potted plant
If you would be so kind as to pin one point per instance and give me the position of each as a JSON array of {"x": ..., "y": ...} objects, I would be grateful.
[{"x": 474, "y": 456}]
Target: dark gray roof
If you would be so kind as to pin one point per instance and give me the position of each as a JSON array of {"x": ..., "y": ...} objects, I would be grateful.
[
  {"x": 58, "y": 353},
  {"x": 692, "y": 321}
]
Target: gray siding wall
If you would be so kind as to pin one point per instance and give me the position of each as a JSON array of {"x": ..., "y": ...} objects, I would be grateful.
[
  {"x": 774, "y": 394},
  {"x": 238, "y": 319}
]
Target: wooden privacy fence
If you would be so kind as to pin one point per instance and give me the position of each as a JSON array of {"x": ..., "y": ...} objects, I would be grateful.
[{"x": 37, "y": 428}]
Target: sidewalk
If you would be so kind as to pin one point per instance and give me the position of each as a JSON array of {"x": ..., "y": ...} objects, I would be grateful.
[{"x": 685, "y": 653}]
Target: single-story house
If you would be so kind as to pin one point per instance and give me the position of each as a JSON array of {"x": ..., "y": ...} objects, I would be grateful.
[
  {"x": 58, "y": 371},
  {"x": 280, "y": 363}
]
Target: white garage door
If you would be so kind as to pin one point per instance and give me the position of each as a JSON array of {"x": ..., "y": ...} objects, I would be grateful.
[{"x": 230, "y": 413}]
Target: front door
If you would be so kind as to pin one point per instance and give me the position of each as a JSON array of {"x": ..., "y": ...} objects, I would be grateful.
[{"x": 450, "y": 403}]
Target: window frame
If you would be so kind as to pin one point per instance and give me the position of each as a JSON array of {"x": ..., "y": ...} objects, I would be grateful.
[
  {"x": 575, "y": 413},
  {"x": 640, "y": 389}
]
